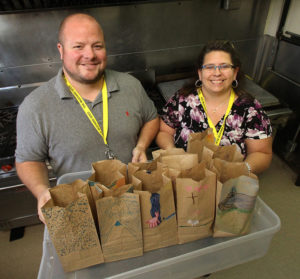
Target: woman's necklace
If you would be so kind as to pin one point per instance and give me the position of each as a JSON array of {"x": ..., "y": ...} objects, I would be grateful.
[{"x": 215, "y": 109}]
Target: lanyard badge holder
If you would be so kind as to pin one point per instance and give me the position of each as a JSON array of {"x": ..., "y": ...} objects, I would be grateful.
[
  {"x": 108, "y": 152},
  {"x": 218, "y": 135}
]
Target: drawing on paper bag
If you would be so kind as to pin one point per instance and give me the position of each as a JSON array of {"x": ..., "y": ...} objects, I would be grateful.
[{"x": 120, "y": 226}]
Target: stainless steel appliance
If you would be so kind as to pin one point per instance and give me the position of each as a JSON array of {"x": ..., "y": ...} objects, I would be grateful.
[{"x": 18, "y": 207}]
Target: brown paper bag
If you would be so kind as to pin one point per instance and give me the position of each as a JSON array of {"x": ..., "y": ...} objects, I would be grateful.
[
  {"x": 172, "y": 174},
  {"x": 227, "y": 170},
  {"x": 134, "y": 167},
  {"x": 176, "y": 158},
  {"x": 197, "y": 141},
  {"x": 85, "y": 187},
  {"x": 203, "y": 145},
  {"x": 230, "y": 153},
  {"x": 158, "y": 210},
  {"x": 96, "y": 191},
  {"x": 195, "y": 192},
  {"x": 180, "y": 162},
  {"x": 162, "y": 152},
  {"x": 110, "y": 173},
  {"x": 120, "y": 224},
  {"x": 72, "y": 229},
  {"x": 205, "y": 154},
  {"x": 235, "y": 206}
]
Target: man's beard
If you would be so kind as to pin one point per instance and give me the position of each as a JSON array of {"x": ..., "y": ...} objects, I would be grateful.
[{"x": 80, "y": 79}]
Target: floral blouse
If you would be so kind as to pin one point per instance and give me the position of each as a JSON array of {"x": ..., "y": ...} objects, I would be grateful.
[{"x": 246, "y": 120}]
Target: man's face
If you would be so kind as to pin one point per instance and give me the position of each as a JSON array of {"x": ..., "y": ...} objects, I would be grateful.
[{"x": 82, "y": 51}]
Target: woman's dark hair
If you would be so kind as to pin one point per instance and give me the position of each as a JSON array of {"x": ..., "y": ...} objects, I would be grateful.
[{"x": 217, "y": 45}]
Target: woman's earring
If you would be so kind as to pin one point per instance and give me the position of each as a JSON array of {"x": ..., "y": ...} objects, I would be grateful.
[
  {"x": 235, "y": 84},
  {"x": 198, "y": 83}
]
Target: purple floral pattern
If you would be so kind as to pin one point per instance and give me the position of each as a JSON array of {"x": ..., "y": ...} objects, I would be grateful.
[{"x": 246, "y": 120}]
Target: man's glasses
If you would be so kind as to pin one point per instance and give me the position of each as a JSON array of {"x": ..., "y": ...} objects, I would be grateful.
[{"x": 222, "y": 68}]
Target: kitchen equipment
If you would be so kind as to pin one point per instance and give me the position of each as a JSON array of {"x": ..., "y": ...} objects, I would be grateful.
[{"x": 18, "y": 206}]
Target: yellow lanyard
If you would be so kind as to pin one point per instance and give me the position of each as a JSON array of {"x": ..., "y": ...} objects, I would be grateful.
[
  {"x": 218, "y": 136},
  {"x": 89, "y": 113}
]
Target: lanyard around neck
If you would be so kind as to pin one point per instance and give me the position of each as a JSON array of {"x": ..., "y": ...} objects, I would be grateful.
[
  {"x": 218, "y": 135},
  {"x": 89, "y": 113}
]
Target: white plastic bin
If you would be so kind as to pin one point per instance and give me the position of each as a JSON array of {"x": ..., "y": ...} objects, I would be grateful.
[{"x": 188, "y": 260}]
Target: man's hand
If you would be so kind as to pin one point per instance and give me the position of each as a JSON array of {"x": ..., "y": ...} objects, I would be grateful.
[
  {"x": 42, "y": 199},
  {"x": 138, "y": 155},
  {"x": 147, "y": 134}
]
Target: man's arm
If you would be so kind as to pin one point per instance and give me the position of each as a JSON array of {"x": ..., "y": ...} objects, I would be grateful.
[
  {"x": 147, "y": 134},
  {"x": 35, "y": 176}
]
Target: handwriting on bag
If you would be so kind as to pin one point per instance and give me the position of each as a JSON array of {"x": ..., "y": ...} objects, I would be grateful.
[{"x": 196, "y": 188}]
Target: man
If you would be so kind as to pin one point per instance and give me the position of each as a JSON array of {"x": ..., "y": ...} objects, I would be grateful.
[{"x": 84, "y": 114}]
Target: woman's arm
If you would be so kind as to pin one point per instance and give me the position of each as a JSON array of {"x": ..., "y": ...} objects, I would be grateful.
[
  {"x": 165, "y": 136},
  {"x": 259, "y": 154}
]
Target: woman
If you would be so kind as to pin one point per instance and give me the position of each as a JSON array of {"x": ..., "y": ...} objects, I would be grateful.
[{"x": 215, "y": 101}]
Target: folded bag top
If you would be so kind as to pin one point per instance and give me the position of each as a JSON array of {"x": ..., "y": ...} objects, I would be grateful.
[
  {"x": 71, "y": 226},
  {"x": 110, "y": 173}
]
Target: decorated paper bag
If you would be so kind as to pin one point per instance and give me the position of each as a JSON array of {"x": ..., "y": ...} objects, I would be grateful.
[
  {"x": 96, "y": 191},
  {"x": 227, "y": 170},
  {"x": 175, "y": 160},
  {"x": 158, "y": 210},
  {"x": 110, "y": 173},
  {"x": 80, "y": 186},
  {"x": 120, "y": 224},
  {"x": 235, "y": 206},
  {"x": 72, "y": 229},
  {"x": 195, "y": 192}
]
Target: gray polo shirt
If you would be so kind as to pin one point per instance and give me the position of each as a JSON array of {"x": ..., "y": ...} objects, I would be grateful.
[{"x": 52, "y": 125}]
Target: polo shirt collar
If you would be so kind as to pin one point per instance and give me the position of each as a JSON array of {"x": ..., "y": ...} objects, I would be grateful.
[
  {"x": 61, "y": 88},
  {"x": 111, "y": 82},
  {"x": 64, "y": 92}
]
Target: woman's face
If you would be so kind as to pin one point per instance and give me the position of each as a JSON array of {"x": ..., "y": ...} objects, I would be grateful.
[{"x": 217, "y": 80}]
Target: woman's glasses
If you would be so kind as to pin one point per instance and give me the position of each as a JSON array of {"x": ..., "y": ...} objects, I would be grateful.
[{"x": 222, "y": 68}]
